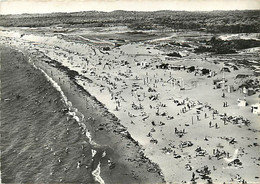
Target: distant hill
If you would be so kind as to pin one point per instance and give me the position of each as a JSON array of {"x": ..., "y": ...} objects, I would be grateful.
[{"x": 214, "y": 21}]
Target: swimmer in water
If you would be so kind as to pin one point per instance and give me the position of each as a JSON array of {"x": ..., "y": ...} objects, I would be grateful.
[{"x": 78, "y": 164}]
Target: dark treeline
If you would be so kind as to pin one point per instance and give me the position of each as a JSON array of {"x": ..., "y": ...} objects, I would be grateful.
[
  {"x": 247, "y": 21},
  {"x": 219, "y": 46}
]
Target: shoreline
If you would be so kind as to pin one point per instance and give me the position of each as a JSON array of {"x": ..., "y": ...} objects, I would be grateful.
[
  {"x": 32, "y": 121},
  {"x": 121, "y": 166},
  {"x": 149, "y": 126},
  {"x": 125, "y": 138}
]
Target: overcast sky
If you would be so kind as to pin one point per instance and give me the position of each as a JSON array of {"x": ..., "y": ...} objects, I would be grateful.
[{"x": 48, "y": 6}]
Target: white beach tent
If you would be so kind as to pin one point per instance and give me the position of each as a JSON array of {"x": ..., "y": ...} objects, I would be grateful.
[
  {"x": 241, "y": 102},
  {"x": 255, "y": 108}
]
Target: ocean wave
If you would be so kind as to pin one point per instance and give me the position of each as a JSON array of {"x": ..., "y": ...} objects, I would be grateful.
[
  {"x": 73, "y": 112},
  {"x": 93, "y": 152},
  {"x": 96, "y": 174},
  {"x": 55, "y": 85}
]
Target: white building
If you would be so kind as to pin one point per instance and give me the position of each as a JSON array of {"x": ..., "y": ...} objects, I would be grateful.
[
  {"x": 255, "y": 108},
  {"x": 241, "y": 102}
]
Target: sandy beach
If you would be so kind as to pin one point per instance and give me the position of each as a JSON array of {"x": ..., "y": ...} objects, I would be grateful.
[{"x": 160, "y": 117}]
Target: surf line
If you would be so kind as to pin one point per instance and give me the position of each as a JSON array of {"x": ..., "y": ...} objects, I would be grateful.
[{"x": 96, "y": 172}]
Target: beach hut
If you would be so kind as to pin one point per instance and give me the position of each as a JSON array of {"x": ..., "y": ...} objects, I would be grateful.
[
  {"x": 225, "y": 69},
  {"x": 245, "y": 90},
  {"x": 234, "y": 67},
  {"x": 241, "y": 102},
  {"x": 241, "y": 76},
  {"x": 230, "y": 89},
  {"x": 173, "y": 67},
  {"x": 144, "y": 64},
  {"x": 211, "y": 74},
  {"x": 255, "y": 108}
]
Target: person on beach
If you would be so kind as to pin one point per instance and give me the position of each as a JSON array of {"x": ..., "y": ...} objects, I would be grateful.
[
  {"x": 227, "y": 154},
  {"x": 210, "y": 124},
  {"x": 214, "y": 168},
  {"x": 223, "y": 95},
  {"x": 176, "y": 130},
  {"x": 193, "y": 176},
  {"x": 205, "y": 138}
]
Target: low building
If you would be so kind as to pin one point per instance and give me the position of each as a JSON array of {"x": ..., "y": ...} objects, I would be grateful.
[
  {"x": 241, "y": 102},
  {"x": 255, "y": 108},
  {"x": 230, "y": 89},
  {"x": 225, "y": 69}
]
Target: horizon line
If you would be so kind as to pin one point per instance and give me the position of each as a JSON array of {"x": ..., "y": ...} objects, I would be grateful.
[
  {"x": 148, "y": 11},
  {"x": 17, "y": 7}
]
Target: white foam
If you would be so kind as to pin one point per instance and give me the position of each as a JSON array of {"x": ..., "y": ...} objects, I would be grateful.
[
  {"x": 82, "y": 117},
  {"x": 83, "y": 126},
  {"x": 71, "y": 114},
  {"x": 76, "y": 118},
  {"x": 93, "y": 152},
  {"x": 80, "y": 48},
  {"x": 96, "y": 174},
  {"x": 55, "y": 85},
  {"x": 104, "y": 154},
  {"x": 68, "y": 103},
  {"x": 88, "y": 135}
]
